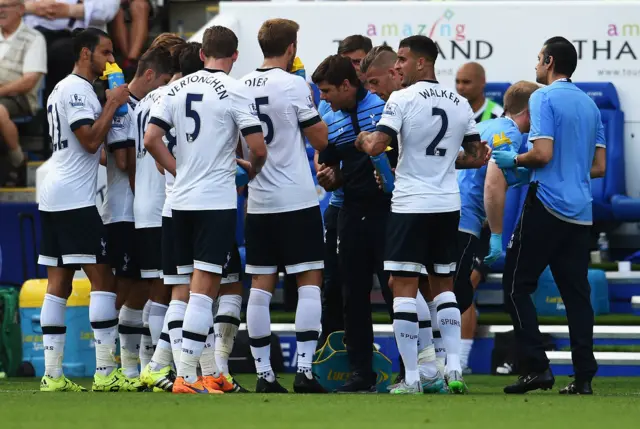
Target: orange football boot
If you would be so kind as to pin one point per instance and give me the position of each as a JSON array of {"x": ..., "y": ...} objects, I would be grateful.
[
  {"x": 220, "y": 383},
  {"x": 181, "y": 386}
]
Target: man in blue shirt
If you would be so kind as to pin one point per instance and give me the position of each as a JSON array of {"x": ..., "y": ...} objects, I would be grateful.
[
  {"x": 354, "y": 47},
  {"x": 362, "y": 218},
  {"x": 554, "y": 227}
]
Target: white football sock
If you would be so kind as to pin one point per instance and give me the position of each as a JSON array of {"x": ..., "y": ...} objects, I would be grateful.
[
  {"x": 208, "y": 358},
  {"x": 53, "y": 334},
  {"x": 226, "y": 325},
  {"x": 308, "y": 314},
  {"x": 156, "y": 321},
  {"x": 465, "y": 351},
  {"x": 197, "y": 320},
  {"x": 441, "y": 353},
  {"x": 130, "y": 330},
  {"x": 146, "y": 348},
  {"x": 405, "y": 328},
  {"x": 175, "y": 316},
  {"x": 259, "y": 329},
  {"x": 162, "y": 356},
  {"x": 449, "y": 321},
  {"x": 426, "y": 349},
  {"x": 102, "y": 315}
]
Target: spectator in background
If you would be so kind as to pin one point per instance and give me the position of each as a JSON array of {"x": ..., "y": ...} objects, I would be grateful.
[
  {"x": 470, "y": 83},
  {"x": 131, "y": 43},
  {"x": 355, "y": 47},
  {"x": 55, "y": 20},
  {"x": 23, "y": 62}
]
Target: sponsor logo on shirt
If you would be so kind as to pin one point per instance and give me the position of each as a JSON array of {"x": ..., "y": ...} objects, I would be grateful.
[
  {"x": 78, "y": 100},
  {"x": 310, "y": 103},
  {"x": 253, "y": 109}
]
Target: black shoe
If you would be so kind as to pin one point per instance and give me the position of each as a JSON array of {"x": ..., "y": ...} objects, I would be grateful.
[
  {"x": 359, "y": 383},
  {"x": 533, "y": 381},
  {"x": 399, "y": 379},
  {"x": 577, "y": 388},
  {"x": 263, "y": 386},
  {"x": 302, "y": 384}
]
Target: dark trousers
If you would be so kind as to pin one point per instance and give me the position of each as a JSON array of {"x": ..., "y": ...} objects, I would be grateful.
[
  {"x": 462, "y": 287},
  {"x": 332, "y": 308},
  {"x": 540, "y": 240},
  {"x": 60, "y": 61},
  {"x": 360, "y": 254}
]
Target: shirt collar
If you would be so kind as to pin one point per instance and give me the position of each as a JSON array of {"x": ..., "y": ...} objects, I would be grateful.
[
  {"x": 563, "y": 79},
  {"x": 12, "y": 35},
  {"x": 213, "y": 70}
]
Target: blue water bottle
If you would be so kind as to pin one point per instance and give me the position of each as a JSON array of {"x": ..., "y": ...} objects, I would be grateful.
[
  {"x": 382, "y": 166},
  {"x": 114, "y": 75},
  {"x": 242, "y": 177}
]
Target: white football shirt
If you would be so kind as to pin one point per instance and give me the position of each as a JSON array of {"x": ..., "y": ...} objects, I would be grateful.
[
  {"x": 284, "y": 105},
  {"x": 149, "y": 192},
  {"x": 73, "y": 174},
  {"x": 431, "y": 122},
  {"x": 208, "y": 109},
  {"x": 118, "y": 201},
  {"x": 170, "y": 141}
]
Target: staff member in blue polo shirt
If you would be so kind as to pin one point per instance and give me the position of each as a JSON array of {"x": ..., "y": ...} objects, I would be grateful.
[
  {"x": 554, "y": 228},
  {"x": 363, "y": 216}
]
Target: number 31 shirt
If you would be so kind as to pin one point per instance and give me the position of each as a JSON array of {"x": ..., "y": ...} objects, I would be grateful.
[
  {"x": 208, "y": 110},
  {"x": 432, "y": 122},
  {"x": 284, "y": 105},
  {"x": 73, "y": 172}
]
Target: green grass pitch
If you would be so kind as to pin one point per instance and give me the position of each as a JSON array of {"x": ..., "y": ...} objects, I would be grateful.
[{"x": 616, "y": 404}]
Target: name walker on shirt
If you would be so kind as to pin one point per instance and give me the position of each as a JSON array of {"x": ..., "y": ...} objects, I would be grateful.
[{"x": 440, "y": 93}]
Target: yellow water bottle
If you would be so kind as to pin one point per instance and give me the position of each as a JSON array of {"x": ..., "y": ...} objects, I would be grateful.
[{"x": 113, "y": 73}]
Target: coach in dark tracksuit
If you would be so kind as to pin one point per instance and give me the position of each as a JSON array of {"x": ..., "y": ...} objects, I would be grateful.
[
  {"x": 555, "y": 225},
  {"x": 363, "y": 216}
]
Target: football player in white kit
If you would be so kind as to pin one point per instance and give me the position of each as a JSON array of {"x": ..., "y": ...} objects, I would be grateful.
[
  {"x": 73, "y": 234},
  {"x": 284, "y": 222},
  {"x": 432, "y": 122},
  {"x": 209, "y": 110},
  {"x": 154, "y": 70}
]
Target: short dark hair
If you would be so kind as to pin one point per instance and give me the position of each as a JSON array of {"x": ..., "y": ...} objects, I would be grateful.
[
  {"x": 169, "y": 41},
  {"x": 175, "y": 57},
  {"x": 354, "y": 43},
  {"x": 219, "y": 42},
  {"x": 565, "y": 56},
  {"x": 190, "y": 61},
  {"x": 422, "y": 46},
  {"x": 88, "y": 38},
  {"x": 376, "y": 54},
  {"x": 157, "y": 59},
  {"x": 334, "y": 70},
  {"x": 276, "y": 35}
]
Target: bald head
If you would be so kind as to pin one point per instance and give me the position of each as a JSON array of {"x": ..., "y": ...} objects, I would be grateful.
[{"x": 470, "y": 82}]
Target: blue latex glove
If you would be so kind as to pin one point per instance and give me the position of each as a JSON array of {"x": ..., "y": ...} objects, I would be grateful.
[
  {"x": 242, "y": 177},
  {"x": 504, "y": 158},
  {"x": 517, "y": 177},
  {"x": 495, "y": 249}
]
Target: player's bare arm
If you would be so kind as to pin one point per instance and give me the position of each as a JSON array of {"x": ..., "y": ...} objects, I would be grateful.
[
  {"x": 476, "y": 154},
  {"x": 257, "y": 154},
  {"x": 538, "y": 156},
  {"x": 318, "y": 135},
  {"x": 103, "y": 157},
  {"x": 154, "y": 145},
  {"x": 330, "y": 177},
  {"x": 599, "y": 165},
  {"x": 495, "y": 191},
  {"x": 131, "y": 167},
  {"x": 121, "y": 159},
  {"x": 374, "y": 143},
  {"x": 92, "y": 136}
]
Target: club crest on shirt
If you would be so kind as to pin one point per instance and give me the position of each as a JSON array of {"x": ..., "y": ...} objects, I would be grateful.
[
  {"x": 390, "y": 109},
  {"x": 77, "y": 100}
]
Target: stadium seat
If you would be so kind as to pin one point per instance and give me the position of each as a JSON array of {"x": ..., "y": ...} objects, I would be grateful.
[
  {"x": 610, "y": 202},
  {"x": 495, "y": 91}
]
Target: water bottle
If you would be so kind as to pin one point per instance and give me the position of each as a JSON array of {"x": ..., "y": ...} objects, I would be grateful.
[
  {"x": 242, "y": 177},
  {"x": 114, "y": 75},
  {"x": 298, "y": 68},
  {"x": 382, "y": 166},
  {"x": 603, "y": 247}
]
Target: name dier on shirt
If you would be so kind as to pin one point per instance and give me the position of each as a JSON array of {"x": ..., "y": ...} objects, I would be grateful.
[
  {"x": 441, "y": 93},
  {"x": 214, "y": 82}
]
